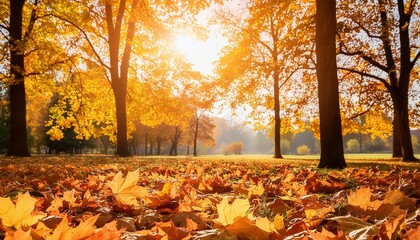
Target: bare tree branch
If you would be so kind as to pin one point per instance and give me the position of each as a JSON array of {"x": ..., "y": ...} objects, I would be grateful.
[
  {"x": 98, "y": 57},
  {"x": 382, "y": 80}
]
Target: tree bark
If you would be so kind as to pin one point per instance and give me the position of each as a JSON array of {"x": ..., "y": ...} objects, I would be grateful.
[
  {"x": 18, "y": 145},
  {"x": 175, "y": 141},
  {"x": 119, "y": 70},
  {"x": 396, "y": 137},
  {"x": 195, "y": 135},
  {"x": 277, "y": 120},
  {"x": 332, "y": 153},
  {"x": 400, "y": 102},
  {"x": 146, "y": 138},
  {"x": 151, "y": 147},
  {"x": 158, "y": 143}
]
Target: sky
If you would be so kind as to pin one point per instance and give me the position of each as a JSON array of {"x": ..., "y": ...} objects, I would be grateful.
[{"x": 202, "y": 53}]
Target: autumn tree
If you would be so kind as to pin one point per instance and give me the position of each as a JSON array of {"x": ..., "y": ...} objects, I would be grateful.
[
  {"x": 18, "y": 145},
  {"x": 379, "y": 38},
  {"x": 36, "y": 48},
  {"x": 201, "y": 128},
  {"x": 262, "y": 56},
  {"x": 332, "y": 153},
  {"x": 119, "y": 25}
]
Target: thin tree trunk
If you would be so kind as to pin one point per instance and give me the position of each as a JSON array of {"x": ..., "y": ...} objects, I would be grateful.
[
  {"x": 18, "y": 145},
  {"x": 195, "y": 137},
  {"x": 332, "y": 153},
  {"x": 158, "y": 141},
  {"x": 146, "y": 138},
  {"x": 151, "y": 148},
  {"x": 277, "y": 120}
]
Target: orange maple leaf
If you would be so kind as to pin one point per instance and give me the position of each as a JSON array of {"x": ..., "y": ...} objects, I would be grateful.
[
  {"x": 108, "y": 232},
  {"x": 56, "y": 205},
  {"x": 63, "y": 231},
  {"x": 21, "y": 214},
  {"x": 362, "y": 198},
  {"x": 125, "y": 189}
]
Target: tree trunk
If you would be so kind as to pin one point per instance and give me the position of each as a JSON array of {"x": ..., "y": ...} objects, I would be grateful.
[
  {"x": 396, "y": 137},
  {"x": 175, "y": 141},
  {"x": 332, "y": 153},
  {"x": 404, "y": 82},
  {"x": 18, "y": 145},
  {"x": 120, "y": 93},
  {"x": 400, "y": 102},
  {"x": 277, "y": 120},
  {"x": 151, "y": 148},
  {"x": 119, "y": 69},
  {"x": 195, "y": 137},
  {"x": 145, "y": 144},
  {"x": 158, "y": 143}
]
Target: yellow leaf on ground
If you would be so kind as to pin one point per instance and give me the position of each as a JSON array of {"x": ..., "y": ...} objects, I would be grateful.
[
  {"x": 125, "y": 189},
  {"x": 266, "y": 225},
  {"x": 21, "y": 214},
  {"x": 247, "y": 229},
  {"x": 228, "y": 212}
]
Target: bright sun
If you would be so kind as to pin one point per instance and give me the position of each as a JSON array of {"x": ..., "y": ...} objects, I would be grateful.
[
  {"x": 186, "y": 44},
  {"x": 200, "y": 53}
]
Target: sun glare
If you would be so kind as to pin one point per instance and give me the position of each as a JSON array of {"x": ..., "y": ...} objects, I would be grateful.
[
  {"x": 186, "y": 44},
  {"x": 200, "y": 53}
]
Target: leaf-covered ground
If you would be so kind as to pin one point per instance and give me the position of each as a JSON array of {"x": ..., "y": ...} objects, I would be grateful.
[{"x": 202, "y": 198}]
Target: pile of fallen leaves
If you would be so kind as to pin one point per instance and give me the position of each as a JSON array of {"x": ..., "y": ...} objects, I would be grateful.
[{"x": 98, "y": 198}]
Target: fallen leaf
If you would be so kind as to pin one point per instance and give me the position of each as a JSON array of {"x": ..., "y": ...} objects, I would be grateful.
[
  {"x": 356, "y": 228},
  {"x": 227, "y": 213},
  {"x": 244, "y": 228},
  {"x": 20, "y": 215},
  {"x": 362, "y": 198},
  {"x": 126, "y": 189},
  {"x": 107, "y": 232}
]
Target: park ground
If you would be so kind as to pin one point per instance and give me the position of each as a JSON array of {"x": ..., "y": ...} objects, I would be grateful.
[{"x": 208, "y": 197}]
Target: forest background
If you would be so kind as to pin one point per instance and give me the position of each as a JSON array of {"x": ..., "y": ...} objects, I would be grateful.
[{"x": 70, "y": 78}]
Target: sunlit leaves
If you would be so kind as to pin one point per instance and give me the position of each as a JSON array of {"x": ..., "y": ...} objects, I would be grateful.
[
  {"x": 125, "y": 189},
  {"x": 20, "y": 214},
  {"x": 228, "y": 212},
  {"x": 96, "y": 197}
]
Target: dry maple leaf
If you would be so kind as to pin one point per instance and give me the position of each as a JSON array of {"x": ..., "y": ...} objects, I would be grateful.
[
  {"x": 17, "y": 235},
  {"x": 327, "y": 235},
  {"x": 171, "y": 232},
  {"x": 107, "y": 232},
  {"x": 55, "y": 206},
  {"x": 391, "y": 228},
  {"x": 227, "y": 213},
  {"x": 125, "y": 189},
  {"x": 362, "y": 198},
  {"x": 68, "y": 196},
  {"x": 63, "y": 231},
  {"x": 21, "y": 214},
  {"x": 245, "y": 228}
]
